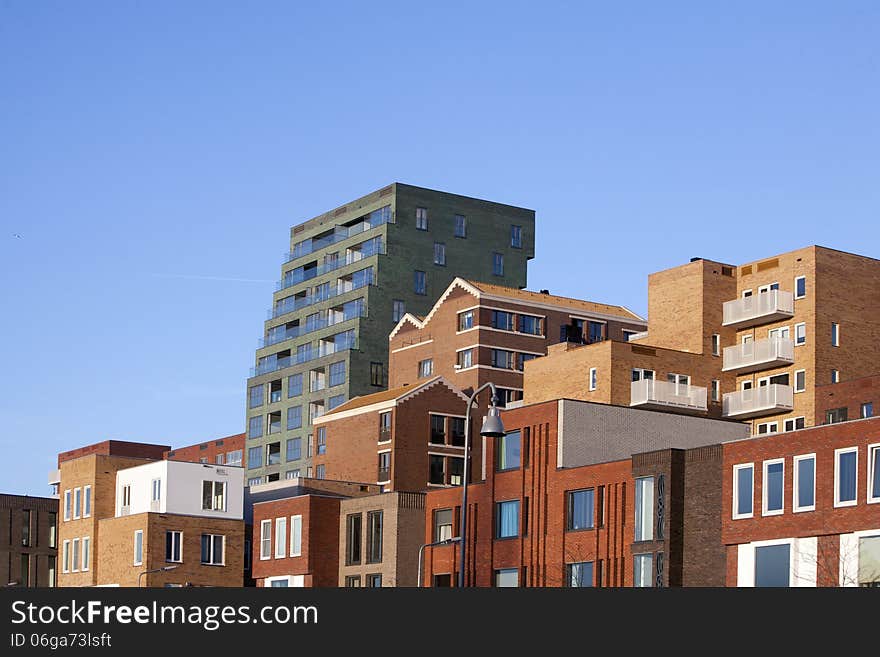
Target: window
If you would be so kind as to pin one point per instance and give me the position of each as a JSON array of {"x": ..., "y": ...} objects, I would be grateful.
[
  {"x": 800, "y": 334},
  {"x": 793, "y": 424},
  {"x": 530, "y": 324},
  {"x": 594, "y": 378},
  {"x": 52, "y": 519},
  {"x": 836, "y": 415},
  {"x": 743, "y": 482},
  {"x": 75, "y": 554},
  {"x": 800, "y": 380},
  {"x": 255, "y": 426},
  {"x": 580, "y": 509},
  {"x": 295, "y": 385},
  {"x": 595, "y": 331},
  {"x": 422, "y": 218},
  {"x": 846, "y": 463},
  {"x": 26, "y": 528},
  {"x": 155, "y": 490},
  {"x": 139, "y": 547},
  {"x": 507, "y": 577},
  {"x": 502, "y": 320},
  {"x": 507, "y": 456},
  {"x": 442, "y": 524},
  {"x": 516, "y": 237},
  {"x": 353, "y": 581},
  {"x": 867, "y": 410},
  {"x": 869, "y": 561},
  {"x": 398, "y": 310},
  {"x": 265, "y": 539},
  {"x": 280, "y": 538},
  {"x": 377, "y": 374},
  {"x": 498, "y": 264},
  {"x": 255, "y": 396},
  {"x": 835, "y": 376},
  {"x": 426, "y": 368},
  {"x": 767, "y": 427},
  {"x": 579, "y": 574},
  {"x": 644, "y": 527},
  {"x": 316, "y": 410},
  {"x": 292, "y": 474},
  {"x": 65, "y": 557},
  {"x": 214, "y": 495},
  {"x": 716, "y": 344},
  {"x": 384, "y": 426},
  {"x": 295, "y": 536},
  {"x": 835, "y": 334},
  {"x": 440, "y": 253},
  {"x": 255, "y": 457},
  {"x": 466, "y": 320},
  {"x": 126, "y": 499},
  {"x": 335, "y": 400},
  {"x": 465, "y": 358},
  {"x": 436, "y": 469},
  {"x": 384, "y": 473},
  {"x": 507, "y": 519},
  {"x": 460, "y": 225},
  {"x": 438, "y": 429},
  {"x": 353, "y": 539},
  {"x": 502, "y": 359},
  {"x": 337, "y": 373},
  {"x": 774, "y": 483},
  {"x": 419, "y": 283},
  {"x": 173, "y": 546},
  {"x": 87, "y": 501},
  {"x": 255, "y": 481},
  {"x": 67, "y": 505},
  {"x": 77, "y": 502},
  {"x": 643, "y": 565},
  {"x": 322, "y": 440},
  {"x": 716, "y": 390},
  {"x": 772, "y": 565},
  {"x": 800, "y": 287},
  {"x": 212, "y": 549},
  {"x": 275, "y": 391},
  {"x": 86, "y": 542},
  {"x": 319, "y": 471},
  {"x": 374, "y": 581},
  {"x": 374, "y": 537},
  {"x": 804, "y": 488}
]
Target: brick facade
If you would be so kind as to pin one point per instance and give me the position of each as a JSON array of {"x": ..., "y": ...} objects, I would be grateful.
[
  {"x": 28, "y": 547},
  {"x": 851, "y": 395},
  {"x": 219, "y": 452}
]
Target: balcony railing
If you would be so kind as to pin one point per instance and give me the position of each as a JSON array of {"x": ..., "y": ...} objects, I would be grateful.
[
  {"x": 666, "y": 395},
  {"x": 300, "y": 274},
  {"x": 124, "y": 510},
  {"x": 304, "y": 356},
  {"x": 311, "y": 327},
  {"x": 761, "y": 308},
  {"x": 758, "y": 355},
  {"x": 384, "y": 474},
  {"x": 298, "y": 303},
  {"x": 384, "y": 434},
  {"x": 756, "y": 402},
  {"x": 373, "y": 220}
]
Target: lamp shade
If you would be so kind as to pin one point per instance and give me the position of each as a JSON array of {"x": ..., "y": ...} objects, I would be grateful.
[{"x": 493, "y": 427}]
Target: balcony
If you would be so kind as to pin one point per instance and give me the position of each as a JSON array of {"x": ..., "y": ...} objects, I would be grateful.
[
  {"x": 384, "y": 474},
  {"x": 758, "y": 355},
  {"x": 757, "y": 402},
  {"x": 339, "y": 233},
  {"x": 667, "y": 396},
  {"x": 354, "y": 254},
  {"x": 384, "y": 435},
  {"x": 54, "y": 477},
  {"x": 761, "y": 308}
]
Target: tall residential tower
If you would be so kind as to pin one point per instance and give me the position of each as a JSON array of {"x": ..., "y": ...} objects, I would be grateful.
[{"x": 349, "y": 277}]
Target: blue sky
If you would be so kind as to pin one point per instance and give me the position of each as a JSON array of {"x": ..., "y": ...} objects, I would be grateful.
[{"x": 154, "y": 155}]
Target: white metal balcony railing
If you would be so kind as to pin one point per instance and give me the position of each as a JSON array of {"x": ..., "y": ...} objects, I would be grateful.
[
  {"x": 758, "y": 355},
  {"x": 124, "y": 510},
  {"x": 649, "y": 393},
  {"x": 763, "y": 400},
  {"x": 760, "y": 308}
]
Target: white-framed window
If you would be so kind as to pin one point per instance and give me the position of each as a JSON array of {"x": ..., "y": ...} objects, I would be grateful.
[
  {"x": 766, "y": 288},
  {"x": 800, "y": 334},
  {"x": 846, "y": 468},
  {"x": 866, "y": 410},
  {"x": 138, "y": 548},
  {"x": 746, "y": 294},
  {"x": 643, "y": 568},
  {"x": 767, "y": 427},
  {"x": 156, "y": 490},
  {"x": 800, "y": 287},
  {"x": 65, "y": 557},
  {"x": 800, "y": 380},
  {"x": 835, "y": 376},
  {"x": 874, "y": 473},
  {"x": 86, "y": 545},
  {"x": 835, "y": 334},
  {"x": 213, "y": 549},
  {"x": 639, "y": 374},
  {"x": 265, "y": 540},
  {"x": 126, "y": 498},
  {"x": 87, "y": 501},
  {"x": 67, "y": 504},
  {"x": 773, "y": 487},
  {"x": 794, "y": 423},
  {"x": 465, "y": 358},
  {"x": 716, "y": 344},
  {"x": 644, "y": 522},
  {"x": 426, "y": 367},
  {"x": 804, "y": 483},
  {"x": 214, "y": 494},
  {"x": 773, "y": 564},
  {"x": 594, "y": 378},
  {"x": 174, "y": 546},
  {"x": 77, "y": 503},
  {"x": 743, "y": 490},
  {"x": 75, "y": 555},
  {"x": 296, "y": 524},
  {"x": 280, "y": 538},
  {"x": 715, "y": 389}
]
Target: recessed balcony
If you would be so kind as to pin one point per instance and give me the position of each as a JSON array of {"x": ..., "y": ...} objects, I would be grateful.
[
  {"x": 761, "y": 308},
  {"x": 666, "y": 395},
  {"x": 758, "y": 355},
  {"x": 758, "y": 402}
]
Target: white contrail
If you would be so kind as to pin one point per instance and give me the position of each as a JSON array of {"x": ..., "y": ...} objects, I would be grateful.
[{"x": 197, "y": 277}]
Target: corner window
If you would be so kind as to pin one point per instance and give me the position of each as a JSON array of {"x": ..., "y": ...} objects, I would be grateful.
[
  {"x": 507, "y": 519},
  {"x": 644, "y": 526},
  {"x": 846, "y": 463},
  {"x": 804, "y": 488},
  {"x": 774, "y": 483},
  {"x": 743, "y": 483}
]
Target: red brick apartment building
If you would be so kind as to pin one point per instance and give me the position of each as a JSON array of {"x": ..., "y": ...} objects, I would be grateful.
[
  {"x": 407, "y": 438},
  {"x": 477, "y": 332},
  {"x": 803, "y": 509},
  {"x": 560, "y": 500},
  {"x": 849, "y": 400},
  {"x": 228, "y": 450}
]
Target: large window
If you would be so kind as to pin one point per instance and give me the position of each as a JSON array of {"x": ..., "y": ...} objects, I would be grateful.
[
  {"x": 579, "y": 574},
  {"x": 436, "y": 469},
  {"x": 507, "y": 456},
  {"x": 507, "y": 577},
  {"x": 255, "y": 426},
  {"x": 337, "y": 373},
  {"x": 869, "y": 561},
  {"x": 212, "y": 549},
  {"x": 442, "y": 524},
  {"x": 174, "y": 546},
  {"x": 743, "y": 483},
  {"x": 581, "y": 509},
  {"x": 374, "y": 537},
  {"x": 426, "y": 367},
  {"x": 295, "y": 385},
  {"x": 774, "y": 480},
  {"x": 502, "y": 320},
  {"x": 643, "y": 565},
  {"x": 384, "y": 473},
  {"x": 644, "y": 527},
  {"x": 503, "y": 359},
  {"x": 255, "y": 396},
  {"x": 266, "y": 539},
  {"x": 530, "y": 324},
  {"x": 294, "y": 417},
  {"x": 804, "y": 488},
  {"x": 507, "y": 519},
  {"x": 846, "y": 463},
  {"x": 773, "y": 565},
  {"x": 214, "y": 495},
  {"x": 255, "y": 457},
  {"x": 595, "y": 331},
  {"x": 466, "y": 320},
  {"x": 438, "y": 429},
  {"x": 353, "y": 539},
  {"x": 294, "y": 449}
]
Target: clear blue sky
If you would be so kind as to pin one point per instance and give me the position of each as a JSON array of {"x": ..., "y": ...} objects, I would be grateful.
[{"x": 153, "y": 156}]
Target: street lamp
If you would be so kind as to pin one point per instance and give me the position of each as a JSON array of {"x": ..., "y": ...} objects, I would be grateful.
[
  {"x": 445, "y": 541},
  {"x": 492, "y": 427},
  {"x": 155, "y": 570}
]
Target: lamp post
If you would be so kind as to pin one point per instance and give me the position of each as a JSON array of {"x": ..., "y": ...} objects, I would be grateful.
[
  {"x": 155, "y": 570},
  {"x": 492, "y": 427},
  {"x": 445, "y": 541}
]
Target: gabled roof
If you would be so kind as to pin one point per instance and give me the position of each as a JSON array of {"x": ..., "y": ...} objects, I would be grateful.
[
  {"x": 490, "y": 291},
  {"x": 392, "y": 396}
]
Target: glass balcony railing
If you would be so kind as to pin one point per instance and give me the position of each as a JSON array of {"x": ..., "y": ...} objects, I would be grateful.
[
  {"x": 369, "y": 248},
  {"x": 370, "y": 221},
  {"x": 292, "y": 304},
  {"x": 304, "y": 356},
  {"x": 311, "y": 327}
]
